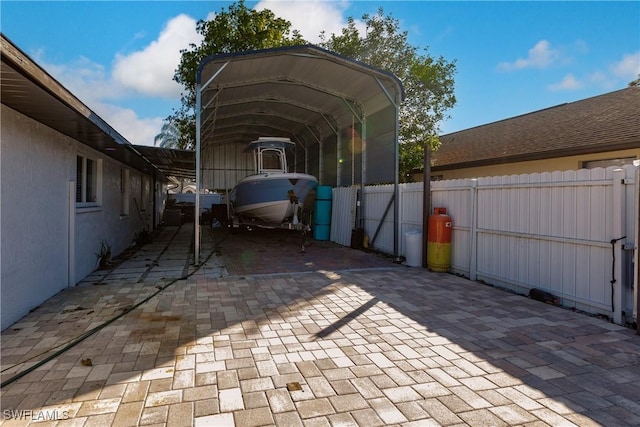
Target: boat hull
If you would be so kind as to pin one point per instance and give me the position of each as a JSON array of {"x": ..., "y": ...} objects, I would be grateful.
[{"x": 269, "y": 197}]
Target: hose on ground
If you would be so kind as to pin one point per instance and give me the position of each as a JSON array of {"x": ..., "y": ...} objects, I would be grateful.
[{"x": 98, "y": 328}]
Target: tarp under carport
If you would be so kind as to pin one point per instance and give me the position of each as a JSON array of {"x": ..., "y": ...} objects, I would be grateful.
[{"x": 342, "y": 114}]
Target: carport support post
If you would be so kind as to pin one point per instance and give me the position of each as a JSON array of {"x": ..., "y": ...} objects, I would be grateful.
[
  {"x": 338, "y": 160},
  {"x": 396, "y": 161},
  {"x": 199, "y": 87},
  {"x": 426, "y": 201},
  {"x": 396, "y": 194},
  {"x": 320, "y": 163},
  {"x": 473, "y": 262},
  {"x": 198, "y": 183},
  {"x": 617, "y": 287},
  {"x": 636, "y": 258},
  {"x": 363, "y": 173}
]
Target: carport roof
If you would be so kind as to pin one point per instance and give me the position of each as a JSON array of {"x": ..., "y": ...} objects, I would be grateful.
[
  {"x": 302, "y": 92},
  {"x": 171, "y": 162}
]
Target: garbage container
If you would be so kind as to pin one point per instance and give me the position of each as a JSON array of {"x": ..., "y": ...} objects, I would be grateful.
[{"x": 413, "y": 248}]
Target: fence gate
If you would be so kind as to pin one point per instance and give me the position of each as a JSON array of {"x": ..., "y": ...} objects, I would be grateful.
[{"x": 571, "y": 233}]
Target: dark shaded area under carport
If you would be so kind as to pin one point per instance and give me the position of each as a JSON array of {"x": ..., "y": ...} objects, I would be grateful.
[{"x": 268, "y": 251}]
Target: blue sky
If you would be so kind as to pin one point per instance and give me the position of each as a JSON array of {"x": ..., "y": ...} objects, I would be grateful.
[{"x": 512, "y": 58}]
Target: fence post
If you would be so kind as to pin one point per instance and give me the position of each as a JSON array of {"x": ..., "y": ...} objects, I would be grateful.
[
  {"x": 473, "y": 262},
  {"x": 636, "y": 240},
  {"x": 617, "y": 241}
]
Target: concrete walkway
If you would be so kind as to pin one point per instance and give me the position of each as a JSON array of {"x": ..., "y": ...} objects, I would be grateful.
[{"x": 266, "y": 334}]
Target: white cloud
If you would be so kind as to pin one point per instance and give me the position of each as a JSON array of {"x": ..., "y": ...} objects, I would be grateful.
[
  {"x": 136, "y": 130},
  {"x": 628, "y": 67},
  {"x": 87, "y": 80},
  {"x": 311, "y": 17},
  {"x": 539, "y": 56},
  {"x": 144, "y": 74},
  {"x": 620, "y": 72},
  {"x": 150, "y": 71},
  {"x": 569, "y": 82}
]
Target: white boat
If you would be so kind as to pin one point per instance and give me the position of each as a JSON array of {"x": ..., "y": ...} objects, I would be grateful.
[{"x": 272, "y": 194}]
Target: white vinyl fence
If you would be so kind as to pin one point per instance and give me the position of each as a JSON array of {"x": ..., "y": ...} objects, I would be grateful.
[{"x": 570, "y": 233}]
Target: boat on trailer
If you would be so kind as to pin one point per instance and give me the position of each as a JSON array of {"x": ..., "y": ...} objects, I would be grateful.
[{"x": 272, "y": 195}]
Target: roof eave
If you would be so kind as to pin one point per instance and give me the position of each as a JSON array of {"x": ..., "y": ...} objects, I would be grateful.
[
  {"x": 545, "y": 155},
  {"x": 36, "y": 80}
]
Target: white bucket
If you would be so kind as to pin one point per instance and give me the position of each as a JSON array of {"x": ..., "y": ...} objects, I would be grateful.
[{"x": 413, "y": 248}]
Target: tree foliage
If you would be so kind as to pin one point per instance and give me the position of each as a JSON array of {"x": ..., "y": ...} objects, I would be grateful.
[
  {"x": 428, "y": 81},
  {"x": 237, "y": 29}
]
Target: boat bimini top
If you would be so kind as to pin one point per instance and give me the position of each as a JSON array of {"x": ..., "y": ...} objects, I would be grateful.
[{"x": 270, "y": 154}]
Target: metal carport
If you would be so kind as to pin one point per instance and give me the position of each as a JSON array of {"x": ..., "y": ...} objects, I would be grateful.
[{"x": 342, "y": 114}]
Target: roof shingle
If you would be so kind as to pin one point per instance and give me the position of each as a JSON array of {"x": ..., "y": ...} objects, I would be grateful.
[{"x": 602, "y": 123}]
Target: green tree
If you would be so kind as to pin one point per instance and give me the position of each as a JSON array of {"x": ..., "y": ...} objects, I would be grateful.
[
  {"x": 635, "y": 82},
  {"x": 428, "y": 81},
  {"x": 237, "y": 29}
]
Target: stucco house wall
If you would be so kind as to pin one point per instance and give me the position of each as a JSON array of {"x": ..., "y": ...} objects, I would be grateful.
[
  {"x": 34, "y": 241},
  {"x": 47, "y": 242}
]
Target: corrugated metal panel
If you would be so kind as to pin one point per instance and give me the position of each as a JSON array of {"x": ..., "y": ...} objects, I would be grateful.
[
  {"x": 343, "y": 210},
  {"x": 288, "y": 91},
  {"x": 224, "y": 165},
  {"x": 377, "y": 199}
]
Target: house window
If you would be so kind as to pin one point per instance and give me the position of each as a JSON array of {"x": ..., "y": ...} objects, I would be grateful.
[
  {"x": 605, "y": 163},
  {"x": 88, "y": 179},
  {"x": 125, "y": 190}
]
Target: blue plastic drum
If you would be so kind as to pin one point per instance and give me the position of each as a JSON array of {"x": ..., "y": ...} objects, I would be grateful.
[{"x": 322, "y": 213}]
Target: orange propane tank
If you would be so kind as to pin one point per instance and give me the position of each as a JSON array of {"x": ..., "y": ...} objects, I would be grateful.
[{"x": 439, "y": 240}]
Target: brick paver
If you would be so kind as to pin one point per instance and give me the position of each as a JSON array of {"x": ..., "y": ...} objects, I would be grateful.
[{"x": 375, "y": 344}]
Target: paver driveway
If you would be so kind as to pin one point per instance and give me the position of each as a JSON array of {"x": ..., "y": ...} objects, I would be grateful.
[{"x": 376, "y": 344}]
